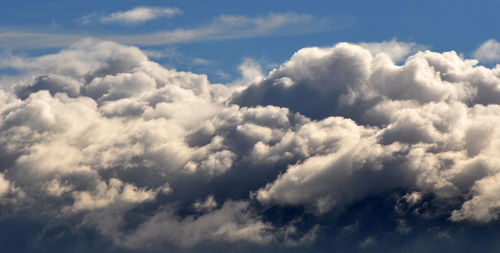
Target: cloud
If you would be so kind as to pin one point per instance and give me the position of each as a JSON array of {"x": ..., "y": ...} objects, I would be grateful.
[
  {"x": 104, "y": 104},
  {"x": 250, "y": 71},
  {"x": 28, "y": 39},
  {"x": 223, "y": 27},
  {"x": 140, "y": 15},
  {"x": 489, "y": 51},
  {"x": 232, "y": 223},
  {"x": 97, "y": 137},
  {"x": 362, "y": 78},
  {"x": 483, "y": 205},
  {"x": 410, "y": 114},
  {"x": 4, "y": 185},
  {"x": 395, "y": 49},
  {"x": 227, "y": 27},
  {"x": 206, "y": 205}
]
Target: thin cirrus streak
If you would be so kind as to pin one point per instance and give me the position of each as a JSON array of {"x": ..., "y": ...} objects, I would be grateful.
[
  {"x": 223, "y": 27},
  {"x": 99, "y": 138}
]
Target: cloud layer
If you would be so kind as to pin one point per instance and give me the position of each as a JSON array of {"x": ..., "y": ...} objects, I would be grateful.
[
  {"x": 222, "y": 27},
  {"x": 99, "y": 138}
]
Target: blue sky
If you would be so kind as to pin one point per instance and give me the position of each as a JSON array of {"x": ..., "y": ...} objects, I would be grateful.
[{"x": 437, "y": 25}]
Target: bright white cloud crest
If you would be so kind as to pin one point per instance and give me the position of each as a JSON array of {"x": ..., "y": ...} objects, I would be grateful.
[{"x": 97, "y": 130}]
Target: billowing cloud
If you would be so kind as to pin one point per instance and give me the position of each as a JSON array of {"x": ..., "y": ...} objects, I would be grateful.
[
  {"x": 425, "y": 125},
  {"x": 99, "y": 138}
]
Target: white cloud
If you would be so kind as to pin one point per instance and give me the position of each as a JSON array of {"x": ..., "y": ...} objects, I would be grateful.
[
  {"x": 489, "y": 51},
  {"x": 140, "y": 15},
  {"x": 396, "y": 50},
  {"x": 107, "y": 194}
]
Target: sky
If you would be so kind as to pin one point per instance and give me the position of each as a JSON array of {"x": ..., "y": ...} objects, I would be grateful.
[
  {"x": 215, "y": 46},
  {"x": 270, "y": 126}
]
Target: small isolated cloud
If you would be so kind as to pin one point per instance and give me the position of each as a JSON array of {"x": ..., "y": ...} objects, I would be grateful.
[
  {"x": 489, "y": 51},
  {"x": 140, "y": 15},
  {"x": 201, "y": 61}
]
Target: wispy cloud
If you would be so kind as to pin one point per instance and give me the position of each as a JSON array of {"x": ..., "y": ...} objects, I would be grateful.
[
  {"x": 236, "y": 27},
  {"x": 224, "y": 27},
  {"x": 139, "y": 15},
  {"x": 28, "y": 39}
]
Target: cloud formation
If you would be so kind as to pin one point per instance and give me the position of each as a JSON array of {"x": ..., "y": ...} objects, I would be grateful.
[{"x": 98, "y": 137}]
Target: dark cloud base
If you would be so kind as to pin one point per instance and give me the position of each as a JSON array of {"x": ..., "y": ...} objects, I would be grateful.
[
  {"x": 344, "y": 231},
  {"x": 337, "y": 150}
]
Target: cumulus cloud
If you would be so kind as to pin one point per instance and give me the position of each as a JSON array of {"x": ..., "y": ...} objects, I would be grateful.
[
  {"x": 489, "y": 51},
  {"x": 417, "y": 120},
  {"x": 140, "y": 15},
  {"x": 98, "y": 137}
]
